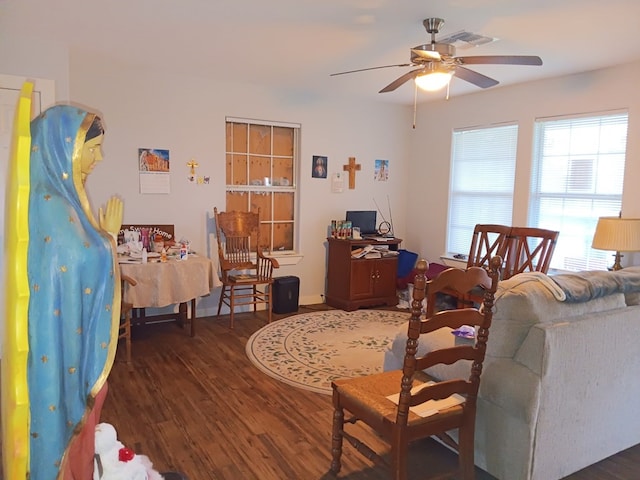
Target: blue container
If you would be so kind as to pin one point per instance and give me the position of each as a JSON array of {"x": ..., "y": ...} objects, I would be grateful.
[{"x": 406, "y": 261}]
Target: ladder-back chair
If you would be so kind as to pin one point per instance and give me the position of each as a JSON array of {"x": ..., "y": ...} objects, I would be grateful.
[
  {"x": 246, "y": 273},
  {"x": 402, "y": 405}
]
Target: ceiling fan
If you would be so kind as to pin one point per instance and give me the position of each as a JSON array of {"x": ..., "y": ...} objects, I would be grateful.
[{"x": 437, "y": 63}]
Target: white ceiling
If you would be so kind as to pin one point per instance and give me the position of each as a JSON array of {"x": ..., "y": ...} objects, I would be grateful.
[{"x": 296, "y": 44}]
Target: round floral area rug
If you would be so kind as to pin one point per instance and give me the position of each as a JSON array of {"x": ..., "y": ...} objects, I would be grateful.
[{"x": 312, "y": 349}]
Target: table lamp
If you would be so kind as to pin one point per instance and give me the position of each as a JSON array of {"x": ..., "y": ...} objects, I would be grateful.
[{"x": 617, "y": 234}]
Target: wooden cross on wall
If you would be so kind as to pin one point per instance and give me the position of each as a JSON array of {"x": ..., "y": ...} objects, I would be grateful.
[{"x": 352, "y": 167}]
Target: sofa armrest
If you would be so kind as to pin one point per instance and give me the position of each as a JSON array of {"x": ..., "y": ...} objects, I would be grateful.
[{"x": 589, "y": 369}]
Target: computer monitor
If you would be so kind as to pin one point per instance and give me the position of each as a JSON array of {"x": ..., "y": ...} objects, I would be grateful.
[{"x": 365, "y": 220}]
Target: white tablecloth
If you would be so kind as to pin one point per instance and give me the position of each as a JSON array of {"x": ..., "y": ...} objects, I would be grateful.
[{"x": 175, "y": 281}]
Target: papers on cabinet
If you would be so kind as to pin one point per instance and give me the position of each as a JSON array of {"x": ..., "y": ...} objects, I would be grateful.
[{"x": 373, "y": 251}]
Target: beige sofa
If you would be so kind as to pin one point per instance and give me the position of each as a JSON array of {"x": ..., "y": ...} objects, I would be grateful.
[{"x": 560, "y": 388}]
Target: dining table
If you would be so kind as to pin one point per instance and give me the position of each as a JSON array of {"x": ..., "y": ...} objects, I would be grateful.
[{"x": 160, "y": 284}]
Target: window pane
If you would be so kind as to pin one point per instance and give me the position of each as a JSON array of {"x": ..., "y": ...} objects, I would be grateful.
[
  {"x": 238, "y": 201},
  {"x": 237, "y": 137},
  {"x": 229, "y": 169},
  {"x": 283, "y": 206},
  {"x": 577, "y": 176},
  {"x": 283, "y": 236},
  {"x": 260, "y": 170},
  {"x": 283, "y": 171},
  {"x": 262, "y": 200},
  {"x": 260, "y": 139},
  {"x": 283, "y": 141},
  {"x": 239, "y": 174},
  {"x": 482, "y": 181}
]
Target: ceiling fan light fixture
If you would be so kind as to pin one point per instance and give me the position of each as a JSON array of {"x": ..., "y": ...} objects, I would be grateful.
[{"x": 433, "y": 81}]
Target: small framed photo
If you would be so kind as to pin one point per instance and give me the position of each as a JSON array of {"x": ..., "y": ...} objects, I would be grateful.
[
  {"x": 381, "y": 170},
  {"x": 319, "y": 167}
]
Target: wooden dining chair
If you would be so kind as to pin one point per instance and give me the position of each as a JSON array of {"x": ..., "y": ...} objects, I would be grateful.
[
  {"x": 125, "y": 318},
  {"x": 524, "y": 249},
  {"x": 246, "y": 273},
  {"x": 487, "y": 241},
  {"x": 402, "y": 405},
  {"x": 530, "y": 250}
]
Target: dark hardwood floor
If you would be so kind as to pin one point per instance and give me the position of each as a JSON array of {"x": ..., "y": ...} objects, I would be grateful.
[{"x": 199, "y": 406}]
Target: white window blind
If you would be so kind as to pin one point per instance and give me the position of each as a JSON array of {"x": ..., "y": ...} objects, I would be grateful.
[
  {"x": 482, "y": 181},
  {"x": 577, "y": 176}
]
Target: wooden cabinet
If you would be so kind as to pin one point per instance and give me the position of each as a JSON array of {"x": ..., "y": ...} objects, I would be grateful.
[{"x": 360, "y": 282}]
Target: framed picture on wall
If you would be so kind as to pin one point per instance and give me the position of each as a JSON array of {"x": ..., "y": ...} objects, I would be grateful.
[
  {"x": 319, "y": 167},
  {"x": 381, "y": 170}
]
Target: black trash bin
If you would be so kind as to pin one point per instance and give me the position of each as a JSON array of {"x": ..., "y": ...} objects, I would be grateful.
[{"x": 284, "y": 298}]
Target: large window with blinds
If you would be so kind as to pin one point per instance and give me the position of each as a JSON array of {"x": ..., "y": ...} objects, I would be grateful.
[
  {"x": 482, "y": 176},
  {"x": 577, "y": 176},
  {"x": 262, "y": 160}
]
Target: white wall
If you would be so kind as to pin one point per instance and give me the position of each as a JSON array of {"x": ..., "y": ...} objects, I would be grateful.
[
  {"x": 27, "y": 57},
  {"x": 430, "y": 143},
  {"x": 186, "y": 115}
]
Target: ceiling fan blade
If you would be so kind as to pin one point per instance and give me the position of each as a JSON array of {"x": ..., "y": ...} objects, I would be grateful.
[
  {"x": 371, "y": 68},
  {"x": 500, "y": 60},
  {"x": 427, "y": 54},
  {"x": 476, "y": 78},
  {"x": 400, "y": 80}
]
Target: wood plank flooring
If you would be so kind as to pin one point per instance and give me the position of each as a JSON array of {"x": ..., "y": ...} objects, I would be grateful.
[{"x": 199, "y": 406}]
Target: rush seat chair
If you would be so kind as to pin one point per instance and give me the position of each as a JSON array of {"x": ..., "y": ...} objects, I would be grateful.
[{"x": 402, "y": 405}]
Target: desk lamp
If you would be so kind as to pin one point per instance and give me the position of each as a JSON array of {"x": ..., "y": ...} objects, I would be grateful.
[{"x": 618, "y": 234}]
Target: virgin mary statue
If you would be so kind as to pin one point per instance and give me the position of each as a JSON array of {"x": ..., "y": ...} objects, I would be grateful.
[{"x": 73, "y": 299}]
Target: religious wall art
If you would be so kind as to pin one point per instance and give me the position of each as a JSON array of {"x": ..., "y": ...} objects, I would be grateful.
[
  {"x": 319, "y": 167},
  {"x": 352, "y": 167},
  {"x": 381, "y": 171},
  {"x": 193, "y": 177}
]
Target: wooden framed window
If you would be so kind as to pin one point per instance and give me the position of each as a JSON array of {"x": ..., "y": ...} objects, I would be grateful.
[{"x": 261, "y": 165}]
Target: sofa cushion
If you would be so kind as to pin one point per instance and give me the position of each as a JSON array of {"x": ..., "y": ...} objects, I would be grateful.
[
  {"x": 525, "y": 300},
  {"x": 442, "y": 338}
]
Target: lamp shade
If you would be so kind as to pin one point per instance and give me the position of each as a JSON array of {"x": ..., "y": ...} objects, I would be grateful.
[
  {"x": 617, "y": 234},
  {"x": 433, "y": 81}
]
